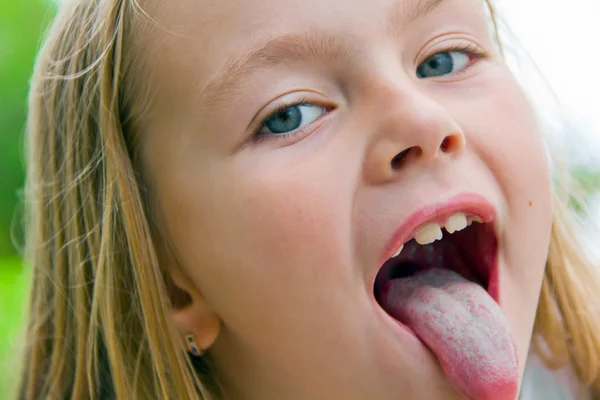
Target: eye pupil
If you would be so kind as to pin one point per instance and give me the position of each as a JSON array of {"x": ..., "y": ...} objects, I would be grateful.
[
  {"x": 433, "y": 64},
  {"x": 285, "y": 115}
]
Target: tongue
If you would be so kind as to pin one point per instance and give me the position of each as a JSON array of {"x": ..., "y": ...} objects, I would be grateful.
[{"x": 463, "y": 326}]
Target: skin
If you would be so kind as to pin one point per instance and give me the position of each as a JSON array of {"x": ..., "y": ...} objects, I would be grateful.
[{"x": 279, "y": 239}]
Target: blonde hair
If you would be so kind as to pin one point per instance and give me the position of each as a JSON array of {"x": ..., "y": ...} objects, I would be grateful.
[{"x": 98, "y": 321}]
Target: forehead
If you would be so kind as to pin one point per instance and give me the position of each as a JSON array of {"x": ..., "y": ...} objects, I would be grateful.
[{"x": 192, "y": 43}]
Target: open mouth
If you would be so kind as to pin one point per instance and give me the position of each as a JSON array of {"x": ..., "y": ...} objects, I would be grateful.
[
  {"x": 442, "y": 286},
  {"x": 470, "y": 252}
]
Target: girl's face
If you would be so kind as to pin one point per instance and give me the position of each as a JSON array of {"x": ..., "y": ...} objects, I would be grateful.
[{"x": 297, "y": 145}]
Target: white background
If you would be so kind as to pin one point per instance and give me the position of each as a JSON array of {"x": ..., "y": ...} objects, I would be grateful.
[{"x": 562, "y": 37}]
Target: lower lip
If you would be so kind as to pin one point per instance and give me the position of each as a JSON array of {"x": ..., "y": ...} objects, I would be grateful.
[{"x": 394, "y": 322}]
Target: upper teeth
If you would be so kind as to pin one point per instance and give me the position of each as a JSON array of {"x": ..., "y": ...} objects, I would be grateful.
[
  {"x": 455, "y": 223},
  {"x": 398, "y": 252},
  {"x": 428, "y": 233},
  {"x": 432, "y": 231}
]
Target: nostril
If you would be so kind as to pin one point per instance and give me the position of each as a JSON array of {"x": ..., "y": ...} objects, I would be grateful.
[
  {"x": 397, "y": 160},
  {"x": 450, "y": 144},
  {"x": 445, "y": 144}
]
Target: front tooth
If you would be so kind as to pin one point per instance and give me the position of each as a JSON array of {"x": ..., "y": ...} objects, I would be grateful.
[
  {"x": 398, "y": 252},
  {"x": 456, "y": 223},
  {"x": 428, "y": 234}
]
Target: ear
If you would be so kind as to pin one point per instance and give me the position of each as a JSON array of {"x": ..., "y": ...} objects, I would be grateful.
[{"x": 190, "y": 312}]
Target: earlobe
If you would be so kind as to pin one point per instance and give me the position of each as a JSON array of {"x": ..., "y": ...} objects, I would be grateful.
[
  {"x": 198, "y": 325},
  {"x": 192, "y": 346}
]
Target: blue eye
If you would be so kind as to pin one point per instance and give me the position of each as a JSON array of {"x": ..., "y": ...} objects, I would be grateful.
[
  {"x": 445, "y": 63},
  {"x": 290, "y": 118}
]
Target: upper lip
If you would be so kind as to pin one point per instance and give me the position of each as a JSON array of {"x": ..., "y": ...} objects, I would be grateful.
[{"x": 468, "y": 203}]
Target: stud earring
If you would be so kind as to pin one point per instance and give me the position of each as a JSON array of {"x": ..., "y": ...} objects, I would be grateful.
[{"x": 191, "y": 344}]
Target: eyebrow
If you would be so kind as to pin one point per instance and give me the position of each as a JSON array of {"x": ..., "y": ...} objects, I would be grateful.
[{"x": 315, "y": 45}]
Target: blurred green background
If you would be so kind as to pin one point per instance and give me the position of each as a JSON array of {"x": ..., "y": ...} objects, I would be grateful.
[{"x": 22, "y": 24}]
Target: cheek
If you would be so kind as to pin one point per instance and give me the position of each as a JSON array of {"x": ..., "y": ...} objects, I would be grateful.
[
  {"x": 508, "y": 140},
  {"x": 263, "y": 229},
  {"x": 287, "y": 215},
  {"x": 512, "y": 146}
]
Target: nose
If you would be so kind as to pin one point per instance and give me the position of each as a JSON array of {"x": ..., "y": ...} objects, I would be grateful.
[{"x": 409, "y": 128}]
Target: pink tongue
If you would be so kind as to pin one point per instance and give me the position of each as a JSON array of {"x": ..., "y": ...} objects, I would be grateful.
[{"x": 463, "y": 326}]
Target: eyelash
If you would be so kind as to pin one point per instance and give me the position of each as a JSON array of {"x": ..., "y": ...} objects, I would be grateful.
[{"x": 474, "y": 52}]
